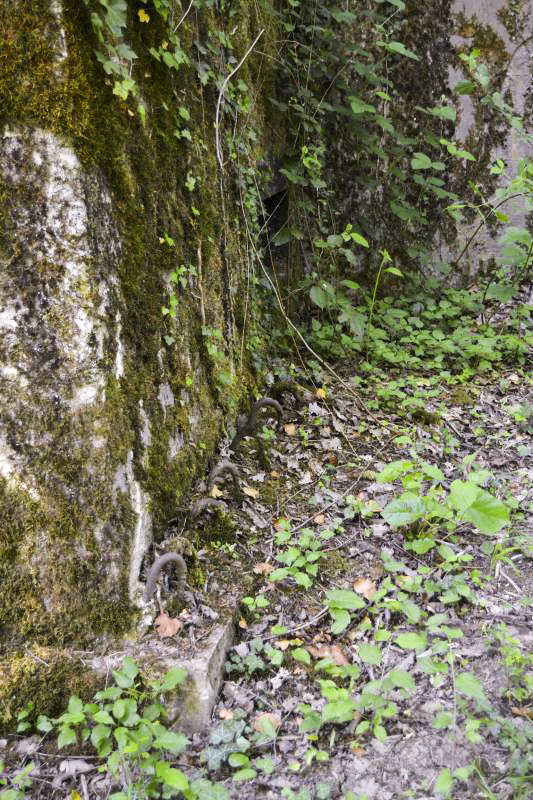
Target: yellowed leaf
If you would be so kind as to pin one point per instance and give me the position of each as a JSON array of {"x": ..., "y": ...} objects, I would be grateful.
[
  {"x": 321, "y": 393},
  {"x": 263, "y": 568},
  {"x": 226, "y": 713},
  {"x": 366, "y": 587},
  {"x": 250, "y": 492},
  {"x": 164, "y": 45},
  {"x": 74, "y": 795},
  {"x": 130, "y": 112},
  {"x": 242, "y": 623},
  {"x": 319, "y": 519},
  {"x": 275, "y": 474},
  {"x": 290, "y": 429},
  {"x": 280, "y": 524},
  {"x": 216, "y": 492},
  {"x": 167, "y": 626},
  {"x": 282, "y": 644},
  {"x": 143, "y": 16},
  {"x": 514, "y": 378},
  {"x": 259, "y": 722}
]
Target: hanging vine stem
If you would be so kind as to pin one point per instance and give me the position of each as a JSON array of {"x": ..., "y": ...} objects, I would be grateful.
[
  {"x": 293, "y": 327},
  {"x": 223, "y": 88}
]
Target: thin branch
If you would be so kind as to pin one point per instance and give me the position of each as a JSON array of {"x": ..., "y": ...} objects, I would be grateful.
[
  {"x": 183, "y": 17},
  {"x": 220, "y": 158}
]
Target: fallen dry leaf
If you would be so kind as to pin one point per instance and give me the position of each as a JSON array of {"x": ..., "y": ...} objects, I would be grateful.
[
  {"x": 268, "y": 717},
  {"x": 290, "y": 429},
  {"x": 321, "y": 636},
  {"x": 226, "y": 713},
  {"x": 522, "y": 712},
  {"x": 216, "y": 492},
  {"x": 332, "y": 651},
  {"x": 250, "y": 492},
  {"x": 366, "y": 587},
  {"x": 513, "y": 378},
  {"x": 282, "y": 644},
  {"x": 167, "y": 626},
  {"x": 319, "y": 519},
  {"x": 263, "y": 568}
]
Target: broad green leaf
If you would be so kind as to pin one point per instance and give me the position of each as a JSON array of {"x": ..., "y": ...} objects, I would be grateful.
[
  {"x": 394, "y": 271},
  {"x": 398, "y": 47},
  {"x": 406, "y": 509},
  {"x": 464, "y": 87},
  {"x": 393, "y": 471},
  {"x": 412, "y": 641},
  {"x": 301, "y": 654},
  {"x": 487, "y": 513},
  {"x": 246, "y": 774},
  {"x": 369, "y": 653},
  {"x": 420, "y": 161},
  {"x": 318, "y": 296},
  {"x": 104, "y": 717},
  {"x": 173, "y": 742},
  {"x": 358, "y": 106},
  {"x": 238, "y": 760},
  {"x": 66, "y": 736},
  {"x": 401, "y": 678},
  {"x": 443, "y": 719},
  {"x": 339, "y": 711},
  {"x": 462, "y": 494},
  {"x": 421, "y": 546},
  {"x": 444, "y": 782},
  {"x": 411, "y": 611},
  {"x": 344, "y": 598},
  {"x": 173, "y": 678},
  {"x": 444, "y": 112},
  {"x": 171, "y": 776},
  {"x": 433, "y": 472},
  {"x": 468, "y": 684},
  {"x": 341, "y": 620}
]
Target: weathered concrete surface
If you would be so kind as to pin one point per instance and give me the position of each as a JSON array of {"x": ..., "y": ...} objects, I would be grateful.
[
  {"x": 503, "y": 32},
  {"x": 108, "y": 408}
]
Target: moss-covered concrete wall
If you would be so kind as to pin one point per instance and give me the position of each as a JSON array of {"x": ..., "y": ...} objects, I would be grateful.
[{"x": 108, "y": 408}]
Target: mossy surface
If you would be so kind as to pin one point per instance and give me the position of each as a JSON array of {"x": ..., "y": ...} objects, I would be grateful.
[{"x": 159, "y": 408}]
